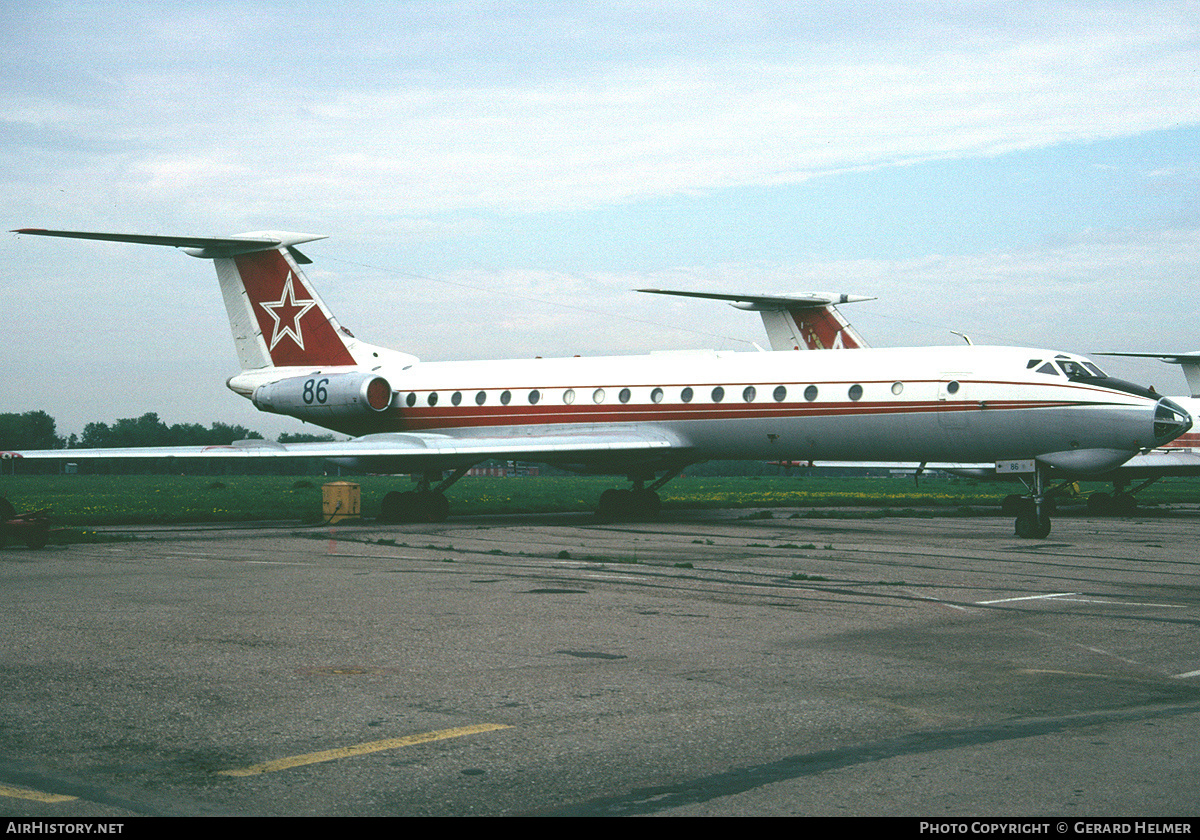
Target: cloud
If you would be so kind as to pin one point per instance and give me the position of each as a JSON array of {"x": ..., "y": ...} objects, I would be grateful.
[{"x": 254, "y": 120}]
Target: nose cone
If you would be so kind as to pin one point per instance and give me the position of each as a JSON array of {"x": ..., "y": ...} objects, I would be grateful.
[{"x": 1170, "y": 421}]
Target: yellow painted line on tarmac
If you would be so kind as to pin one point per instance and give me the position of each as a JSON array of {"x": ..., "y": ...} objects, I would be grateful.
[
  {"x": 361, "y": 749},
  {"x": 35, "y": 795}
]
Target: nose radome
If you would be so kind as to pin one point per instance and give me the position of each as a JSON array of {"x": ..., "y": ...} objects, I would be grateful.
[{"x": 1170, "y": 421}]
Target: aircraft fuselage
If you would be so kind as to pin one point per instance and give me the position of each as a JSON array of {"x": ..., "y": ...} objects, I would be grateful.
[{"x": 968, "y": 403}]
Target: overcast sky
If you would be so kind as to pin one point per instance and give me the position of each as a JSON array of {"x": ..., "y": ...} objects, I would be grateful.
[{"x": 496, "y": 177}]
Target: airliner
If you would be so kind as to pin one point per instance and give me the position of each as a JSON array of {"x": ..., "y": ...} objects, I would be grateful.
[
  {"x": 645, "y": 416},
  {"x": 812, "y": 321}
]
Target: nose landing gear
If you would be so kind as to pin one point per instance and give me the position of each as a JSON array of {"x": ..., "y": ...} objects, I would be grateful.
[
  {"x": 1033, "y": 511},
  {"x": 1033, "y": 520}
]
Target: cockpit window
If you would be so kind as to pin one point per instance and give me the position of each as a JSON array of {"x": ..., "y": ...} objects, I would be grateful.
[
  {"x": 1033, "y": 363},
  {"x": 1079, "y": 370},
  {"x": 1048, "y": 369}
]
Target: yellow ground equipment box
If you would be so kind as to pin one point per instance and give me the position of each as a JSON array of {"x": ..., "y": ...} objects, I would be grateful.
[{"x": 340, "y": 500}]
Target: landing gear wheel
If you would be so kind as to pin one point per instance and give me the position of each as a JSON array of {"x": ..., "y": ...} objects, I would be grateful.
[
  {"x": 433, "y": 507},
  {"x": 414, "y": 506},
  {"x": 1100, "y": 504},
  {"x": 1124, "y": 503},
  {"x": 646, "y": 503},
  {"x": 1031, "y": 524},
  {"x": 393, "y": 507},
  {"x": 616, "y": 505}
]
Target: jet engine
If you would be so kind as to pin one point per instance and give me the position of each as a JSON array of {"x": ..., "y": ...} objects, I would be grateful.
[{"x": 322, "y": 396}]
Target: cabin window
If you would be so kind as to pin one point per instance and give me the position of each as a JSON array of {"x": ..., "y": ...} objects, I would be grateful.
[
  {"x": 780, "y": 393},
  {"x": 481, "y": 398},
  {"x": 855, "y": 392},
  {"x": 569, "y": 396},
  {"x": 410, "y": 400},
  {"x": 718, "y": 394},
  {"x": 897, "y": 388},
  {"x": 505, "y": 397},
  {"x": 534, "y": 396},
  {"x": 598, "y": 395},
  {"x": 432, "y": 398},
  {"x": 686, "y": 395},
  {"x": 810, "y": 393},
  {"x": 749, "y": 393},
  {"x": 656, "y": 395},
  {"x": 952, "y": 387},
  {"x": 624, "y": 395},
  {"x": 456, "y": 398}
]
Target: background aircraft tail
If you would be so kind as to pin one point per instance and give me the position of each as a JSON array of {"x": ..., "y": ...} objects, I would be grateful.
[
  {"x": 794, "y": 322},
  {"x": 1190, "y": 362},
  {"x": 276, "y": 317}
]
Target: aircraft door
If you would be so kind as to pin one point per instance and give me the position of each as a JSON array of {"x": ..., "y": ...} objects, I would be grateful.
[{"x": 953, "y": 411}]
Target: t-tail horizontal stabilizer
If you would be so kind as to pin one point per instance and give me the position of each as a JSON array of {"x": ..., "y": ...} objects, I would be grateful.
[
  {"x": 1190, "y": 362},
  {"x": 276, "y": 317},
  {"x": 205, "y": 247}
]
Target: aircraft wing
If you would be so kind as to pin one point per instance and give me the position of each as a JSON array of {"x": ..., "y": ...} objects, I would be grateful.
[
  {"x": 403, "y": 451},
  {"x": 1158, "y": 462}
]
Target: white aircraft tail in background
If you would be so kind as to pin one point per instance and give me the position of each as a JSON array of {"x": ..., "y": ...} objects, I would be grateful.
[
  {"x": 1189, "y": 362},
  {"x": 793, "y": 321}
]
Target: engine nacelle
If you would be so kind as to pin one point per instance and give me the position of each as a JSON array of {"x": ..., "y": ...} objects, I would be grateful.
[{"x": 321, "y": 396}]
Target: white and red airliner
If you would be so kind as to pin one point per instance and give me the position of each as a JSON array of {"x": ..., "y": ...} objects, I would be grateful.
[
  {"x": 647, "y": 416},
  {"x": 813, "y": 322}
]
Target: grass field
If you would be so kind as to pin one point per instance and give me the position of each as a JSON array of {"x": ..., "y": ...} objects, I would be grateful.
[{"x": 91, "y": 500}]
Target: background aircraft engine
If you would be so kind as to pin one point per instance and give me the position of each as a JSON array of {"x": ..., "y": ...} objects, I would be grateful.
[{"x": 321, "y": 396}]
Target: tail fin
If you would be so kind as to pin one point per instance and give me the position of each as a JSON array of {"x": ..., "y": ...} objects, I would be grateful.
[
  {"x": 277, "y": 319},
  {"x": 794, "y": 322},
  {"x": 810, "y": 327}
]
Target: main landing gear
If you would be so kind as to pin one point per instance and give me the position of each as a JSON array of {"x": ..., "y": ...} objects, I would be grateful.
[
  {"x": 1122, "y": 500},
  {"x": 423, "y": 504},
  {"x": 639, "y": 502},
  {"x": 618, "y": 505}
]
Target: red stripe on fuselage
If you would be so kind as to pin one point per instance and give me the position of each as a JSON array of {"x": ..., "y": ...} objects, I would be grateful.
[
  {"x": 445, "y": 415},
  {"x": 425, "y": 418}
]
